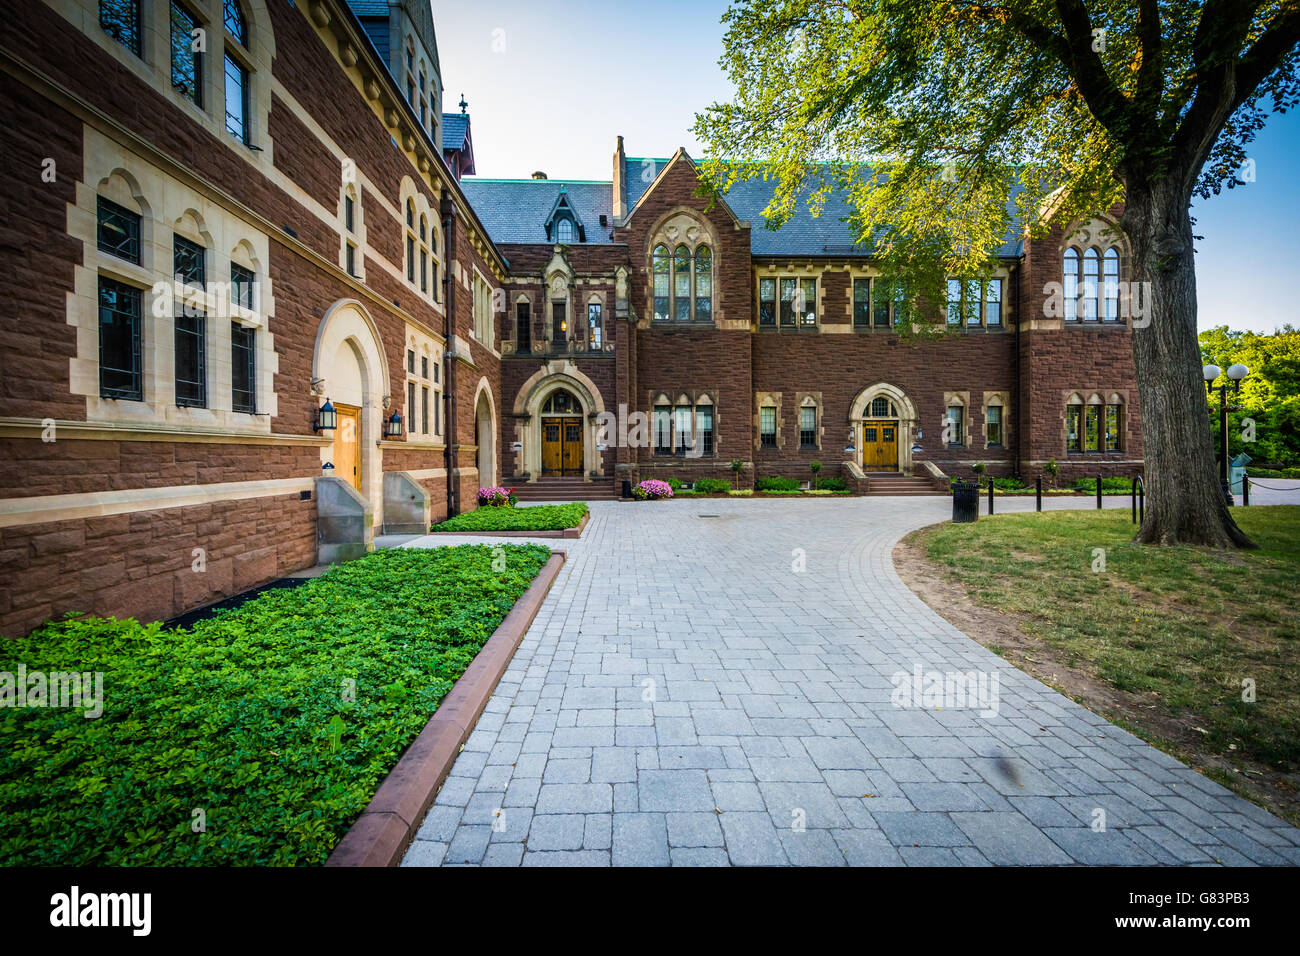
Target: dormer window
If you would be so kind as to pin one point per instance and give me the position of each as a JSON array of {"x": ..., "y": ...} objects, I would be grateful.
[{"x": 564, "y": 225}]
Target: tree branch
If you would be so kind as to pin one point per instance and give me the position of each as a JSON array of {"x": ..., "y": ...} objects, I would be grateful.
[{"x": 1105, "y": 100}]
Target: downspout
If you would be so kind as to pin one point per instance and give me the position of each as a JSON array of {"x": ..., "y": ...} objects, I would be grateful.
[
  {"x": 1019, "y": 401},
  {"x": 451, "y": 445}
]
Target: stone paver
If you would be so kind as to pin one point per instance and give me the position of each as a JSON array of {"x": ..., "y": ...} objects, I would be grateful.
[{"x": 687, "y": 697}]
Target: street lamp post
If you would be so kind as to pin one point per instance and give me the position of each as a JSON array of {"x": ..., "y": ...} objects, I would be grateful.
[{"x": 1234, "y": 373}]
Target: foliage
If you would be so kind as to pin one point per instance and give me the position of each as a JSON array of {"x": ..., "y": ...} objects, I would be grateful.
[
  {"x": 675, "y": 484},
  {"x": 1273, "y": 472},
  {"x": 814, "y": 467},
  {"x": 1178, "y": 627},
  {"x": 497, "y": 497},
  {"x": 1109, "y": 486},
  {"x": 979, "y": 467},
  {"x": 1269, "y": 396},
  {"x": 776, "y": 483},
  {"x": 233, "y": 716},
  {"x": 652, "y": 490},
  {"x": 737, "y": 466},
  {"x": 946, "y": 122},
  {"x": 1052, "y": 470},
  {"x": 528, "y": 518},
  {"x": 833, "y": 484},
  {"x": 712, "y": 486}
]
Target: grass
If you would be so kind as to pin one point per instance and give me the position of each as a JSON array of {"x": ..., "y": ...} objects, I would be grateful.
[
  {"x": 1176, "y": 630},
  {"x": 531, "y": 518},
  {"x": 276, "y": 720}
]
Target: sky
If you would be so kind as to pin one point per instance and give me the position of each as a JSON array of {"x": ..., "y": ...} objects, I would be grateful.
[{"x": 550, "y": 85}]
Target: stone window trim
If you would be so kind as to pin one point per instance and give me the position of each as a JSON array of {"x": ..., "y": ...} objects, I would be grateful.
[
  {"x": 800, "y": 276},
  {"x": 1001, "y": 282},
  {"x": 356, "y": 235},
  {"x": 153, "y": 65},
  {"x": 873, "y": 278},
  {"x": 694, "y": 399},
  {"x": 483, "y": 329},
  {"x": 1001, "y": 399},
  {"x": 426, "y": 374},
  {"x": 511, "y": 345},
  {"x": 1094, "y": 249},
  {"x": 421, "y": 237},
  {"x": 961, "y": 400},
  {"x": 168, "y": 209},
  {"x": 1103, "y": 399},
  {"x": 585, "y": 343},
  {"x": 684, "y": 226},
  {"x": 811, "y": 400},
  {"x": 768, "y": 400}
]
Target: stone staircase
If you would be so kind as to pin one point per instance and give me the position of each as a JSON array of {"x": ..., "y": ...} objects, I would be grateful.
[
  {"x": 565, "y": 489},
  {"x": 895, "y": 484}
]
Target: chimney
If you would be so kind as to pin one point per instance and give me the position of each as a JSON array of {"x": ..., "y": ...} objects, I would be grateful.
[
  {"x": 539, "y": 175},
  {"x": 619, "y": 206}
]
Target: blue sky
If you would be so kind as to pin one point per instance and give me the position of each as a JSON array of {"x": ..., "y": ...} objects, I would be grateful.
[{"x": 551, "y": 84}]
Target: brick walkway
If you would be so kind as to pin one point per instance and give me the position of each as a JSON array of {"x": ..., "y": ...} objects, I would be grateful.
[{"x": 685, "y": 697}]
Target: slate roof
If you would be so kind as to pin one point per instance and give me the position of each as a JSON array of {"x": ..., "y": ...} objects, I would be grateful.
[
  {"x": 454, "y": 128},
  {"x": 516, "y": 210},
  {"x": 369, "y": 8}
]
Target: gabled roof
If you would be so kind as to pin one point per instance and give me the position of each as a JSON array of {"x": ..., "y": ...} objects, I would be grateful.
[
  {"x": 562, "y": 207},
  {"x": 455, "y": 130},
  {"x": 519, "y": 210}
]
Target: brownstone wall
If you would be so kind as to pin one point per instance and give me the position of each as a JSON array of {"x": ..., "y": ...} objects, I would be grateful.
[{"x": 142, "y": 565}]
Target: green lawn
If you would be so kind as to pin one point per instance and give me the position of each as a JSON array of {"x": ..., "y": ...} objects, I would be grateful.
[
  {"x": 1177, "y": 630},
  {"x": 276, "y": 720},
  {"x": 530, "y": 518}
]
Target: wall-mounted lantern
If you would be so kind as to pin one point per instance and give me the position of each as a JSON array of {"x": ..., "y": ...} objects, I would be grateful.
[
  {"x": 326, "y": 417},
  {"x": 393, "y": 427}
]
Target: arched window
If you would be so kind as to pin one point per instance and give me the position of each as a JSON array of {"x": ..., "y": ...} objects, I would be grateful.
[
  {"x": 424, "y": 254},
  {"x": 1091, "y": 281},
  {"x": 1071, "y": 286},
  {"x": 1110, "y": 290},
  {"x": 421, "y": 236},
  {"x": 564, "y": 230},
  {"x": 236, "y": 25},
  {"x": 662, "y": 291},
  {"x": 562, "y": 402},
  {"x": 681, "y": 284},
  {"x": 703, "y": 284},
  {"x": 881, "y": 407}
]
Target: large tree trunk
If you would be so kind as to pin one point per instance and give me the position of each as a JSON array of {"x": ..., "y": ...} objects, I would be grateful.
[{"x": 1185, "y": 502}]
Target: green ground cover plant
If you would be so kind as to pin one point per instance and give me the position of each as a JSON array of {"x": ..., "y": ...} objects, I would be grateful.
[
  {"x": 529, "y": 518},
  {"x": 275, "y": 721}
]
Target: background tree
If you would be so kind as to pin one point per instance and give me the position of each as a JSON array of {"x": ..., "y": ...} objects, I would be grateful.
[
  {"x": 981, "y": 117},
  {"x": 1269, "y": 397}
]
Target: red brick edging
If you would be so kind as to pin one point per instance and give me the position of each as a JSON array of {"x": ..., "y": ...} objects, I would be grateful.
[
  {"x": 386, "y": 827},
  {"x": 565, "y": 533}
]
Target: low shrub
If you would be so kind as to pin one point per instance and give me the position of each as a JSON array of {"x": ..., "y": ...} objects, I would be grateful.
[
  {"x": 712, "y": 486},
  {"x": 1108, "y": 485},
  {"x": 675, "y": 484},
  {"x": 278, "y": 718},
  {"x": 833, "y": 484},
  {"x": 652, "y": 490},
  {"x": 741, "y": 493},
  {"x": 528, "y": 518},
  {"x": 776, "y": 483},
  {"x": 1273, "y": 472}
]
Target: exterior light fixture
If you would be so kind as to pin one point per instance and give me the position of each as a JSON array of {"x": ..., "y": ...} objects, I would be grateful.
[
  {"x": 393, "y": 427},
  {"x": 1210, "y": 373},
  {"x": 1237, "y": 372},
  {"x": 326, "y": 417}
]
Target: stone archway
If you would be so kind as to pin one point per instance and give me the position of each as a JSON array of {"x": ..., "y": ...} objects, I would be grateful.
[
  {"x": 900, "y": 407},
  {"x": 348, "y": 368},
  {"x": 532, "y": 396},
  {"x": 485, "y": 436}
]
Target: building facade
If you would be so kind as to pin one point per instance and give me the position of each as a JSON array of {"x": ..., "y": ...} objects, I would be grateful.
[{"x": 248, "y": 287}]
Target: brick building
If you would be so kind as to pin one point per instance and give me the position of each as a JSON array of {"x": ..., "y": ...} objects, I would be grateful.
[{"x": 252, "y": 303}]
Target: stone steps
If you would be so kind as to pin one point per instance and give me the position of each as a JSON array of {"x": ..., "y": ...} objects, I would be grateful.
[{"x": 565, "y": 489}]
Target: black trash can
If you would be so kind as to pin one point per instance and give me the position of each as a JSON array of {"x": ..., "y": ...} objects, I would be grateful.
[
  {"x": 965, "y": 501},
  {"x": 627, "y": 488}
]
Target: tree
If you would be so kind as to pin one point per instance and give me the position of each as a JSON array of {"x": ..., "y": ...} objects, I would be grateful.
[
  {"x": 947, "y": 122},
  {"x": 1269, "y": 400}
]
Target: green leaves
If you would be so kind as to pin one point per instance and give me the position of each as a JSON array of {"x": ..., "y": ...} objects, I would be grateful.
[
  {"x": 245, "y": 716},
  {"x": 532, "y": 518}
]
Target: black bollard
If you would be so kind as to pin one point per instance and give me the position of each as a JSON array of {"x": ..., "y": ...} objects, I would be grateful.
[
  {"x": 1038, "y": 493},
  {"x": 1098, "y": 492}
]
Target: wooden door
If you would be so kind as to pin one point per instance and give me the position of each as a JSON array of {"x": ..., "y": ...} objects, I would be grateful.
[
  {"x": 573, "y": 447},
  {"x": 880, "y": 446},
  {"x": 347, "y": 445},
  {"x": 552, "y": 446}
]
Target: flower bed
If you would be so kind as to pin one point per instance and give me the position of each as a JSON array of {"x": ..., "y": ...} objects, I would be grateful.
[
  {"x": 277, "y": 720},
  {"x": 497, "y": 497}
]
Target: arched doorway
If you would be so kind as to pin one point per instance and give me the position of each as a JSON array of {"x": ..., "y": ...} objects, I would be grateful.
[
  {"x": 562, "y": 439},
  {"x": 882, "y": 428},
  {"x": 485, "y": 437},
  {"x": 348, "y": 370}
]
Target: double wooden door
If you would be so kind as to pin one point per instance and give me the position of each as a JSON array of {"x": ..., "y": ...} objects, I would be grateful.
[
  {"x": 880, "y": 446},
  {"x": 562, "y": 446}
]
